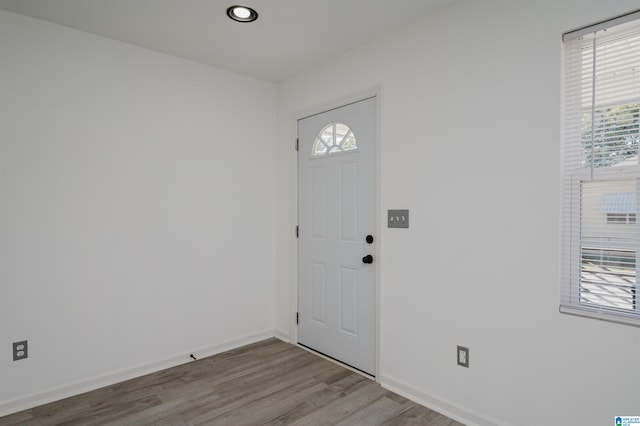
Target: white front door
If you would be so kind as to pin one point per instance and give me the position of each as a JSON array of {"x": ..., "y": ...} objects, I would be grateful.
[{"x": 337, "y": 241}]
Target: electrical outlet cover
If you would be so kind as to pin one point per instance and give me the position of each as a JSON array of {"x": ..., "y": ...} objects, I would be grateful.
[
  {"x": 20, "y": 350},
  {"x": 463, "y": 356}
]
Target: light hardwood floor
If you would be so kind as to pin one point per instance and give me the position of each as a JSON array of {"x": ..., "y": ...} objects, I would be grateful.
[{"x": 266, "y": 383}]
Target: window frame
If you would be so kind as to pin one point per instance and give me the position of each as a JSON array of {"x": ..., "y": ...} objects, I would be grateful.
[{"x": 575, "y": 174}]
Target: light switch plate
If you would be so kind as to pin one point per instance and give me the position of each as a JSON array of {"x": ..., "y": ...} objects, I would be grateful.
[{"x": 398, "y": 219}]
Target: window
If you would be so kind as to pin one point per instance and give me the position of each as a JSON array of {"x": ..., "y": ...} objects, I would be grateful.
[
  {"x": 334, "y": 138},
  {"x": 601, "y": 174},
  {"x": 621, "y": 218},
  {"x": 620, "y": 207}
]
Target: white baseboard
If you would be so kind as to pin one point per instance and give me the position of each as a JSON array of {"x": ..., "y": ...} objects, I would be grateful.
[
  {"x": 283, "y": 335},
  {"x": 76, "y": 388},
  {"x": 449, "y": 409}
]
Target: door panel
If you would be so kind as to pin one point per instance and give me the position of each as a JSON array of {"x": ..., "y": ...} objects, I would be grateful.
[
  {"x": 318, "y": 292},
  {"x": 349, "y": 300},
  {"x": 337, "y": 203},
  {"x": 318, "y": 205},
  {"x": 349, "y": 202}
]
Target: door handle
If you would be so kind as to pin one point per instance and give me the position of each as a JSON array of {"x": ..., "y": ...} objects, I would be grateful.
[{"x": 367, "y": 259}]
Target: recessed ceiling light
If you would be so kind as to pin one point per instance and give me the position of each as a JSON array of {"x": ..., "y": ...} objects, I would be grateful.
[{"x": 242, "y": 14}]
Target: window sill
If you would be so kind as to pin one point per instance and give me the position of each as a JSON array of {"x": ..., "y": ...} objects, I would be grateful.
[{"x": 602, "y": 315}]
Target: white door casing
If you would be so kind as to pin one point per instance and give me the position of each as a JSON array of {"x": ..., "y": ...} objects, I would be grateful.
[{"x": 336, "y": 213}]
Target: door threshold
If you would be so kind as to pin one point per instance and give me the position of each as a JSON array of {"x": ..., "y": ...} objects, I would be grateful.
[{"x": 335, "y": 361}]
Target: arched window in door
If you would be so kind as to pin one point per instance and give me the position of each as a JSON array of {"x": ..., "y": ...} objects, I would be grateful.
[{"x": 334, "y": 138}]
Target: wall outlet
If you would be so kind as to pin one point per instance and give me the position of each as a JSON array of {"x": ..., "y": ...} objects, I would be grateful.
[
  {"x": 20, "y": 350},
  {"x": 463, "y": 356}
]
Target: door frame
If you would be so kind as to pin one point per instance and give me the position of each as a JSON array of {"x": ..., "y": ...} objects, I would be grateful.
[{"x": 293, "y": 293}]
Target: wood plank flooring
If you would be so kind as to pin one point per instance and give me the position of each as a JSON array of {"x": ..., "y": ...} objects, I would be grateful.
[{"x": 266, "y": 383}]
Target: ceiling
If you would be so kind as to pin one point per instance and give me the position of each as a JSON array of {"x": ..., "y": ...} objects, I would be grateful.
[{"x": 289, "y": 36}]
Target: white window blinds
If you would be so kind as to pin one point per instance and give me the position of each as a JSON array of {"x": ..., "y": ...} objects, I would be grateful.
[{"x": 601, "y": 176}]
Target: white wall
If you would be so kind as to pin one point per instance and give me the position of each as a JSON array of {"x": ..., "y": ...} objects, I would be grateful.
[
  {"x": 136, "y": 210},
  {"x": 470, "y": 126}
]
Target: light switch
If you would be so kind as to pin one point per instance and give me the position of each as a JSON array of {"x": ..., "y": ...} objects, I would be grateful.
[{"x": 398, "y": 219}]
